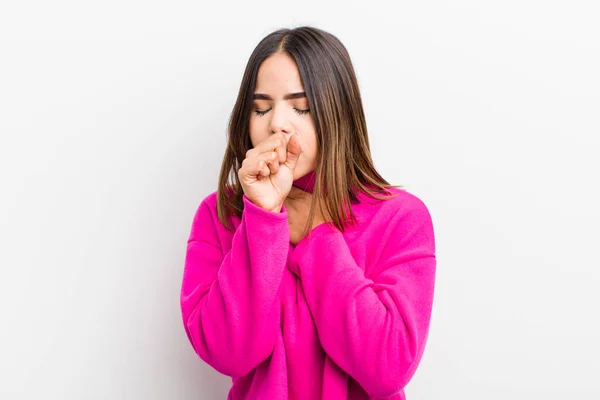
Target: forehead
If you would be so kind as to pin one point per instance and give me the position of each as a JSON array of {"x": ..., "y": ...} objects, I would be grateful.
[{"x": 278, "y": 74}]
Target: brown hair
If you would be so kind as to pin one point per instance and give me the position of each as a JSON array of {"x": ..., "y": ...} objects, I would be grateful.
[{"x": 344, "y": 162}]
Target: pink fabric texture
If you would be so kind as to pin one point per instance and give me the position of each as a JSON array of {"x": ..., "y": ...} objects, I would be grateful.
[{"x": 341, "y": 315}]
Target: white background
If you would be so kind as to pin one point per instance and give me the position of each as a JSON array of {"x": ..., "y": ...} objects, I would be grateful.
[{"x": 112, "y": 122}]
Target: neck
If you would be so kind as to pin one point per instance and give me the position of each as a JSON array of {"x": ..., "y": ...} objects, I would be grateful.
[{"x": 306, "y": 182}]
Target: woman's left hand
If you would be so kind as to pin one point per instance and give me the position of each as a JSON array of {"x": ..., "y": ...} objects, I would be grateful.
[{"x": 297, "y": 205}]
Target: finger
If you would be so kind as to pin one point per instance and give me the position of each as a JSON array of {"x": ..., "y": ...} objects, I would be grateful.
[
  {"x": 281, "y": 149},
  {"x": 273, "y": 166},
  {"x": 254, "y": 167},
  {"x": 270, "y": 144},
  {"x": 294, "y": 149},
  {"x": 264, "y": 170},
  {"x": 270, "y": 159}
]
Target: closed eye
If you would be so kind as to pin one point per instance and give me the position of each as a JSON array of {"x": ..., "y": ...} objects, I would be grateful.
[{"x": 261, "y": 113}]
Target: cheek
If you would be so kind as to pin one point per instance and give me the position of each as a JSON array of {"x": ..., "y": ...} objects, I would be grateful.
[
  {"x": 311, "y": 146},
  {"x": 256, "y": 132},
  {"x": 309, "y": 153}
]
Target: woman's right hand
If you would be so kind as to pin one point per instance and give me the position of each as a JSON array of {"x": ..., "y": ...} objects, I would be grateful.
[{"x": 267, "y": 172}]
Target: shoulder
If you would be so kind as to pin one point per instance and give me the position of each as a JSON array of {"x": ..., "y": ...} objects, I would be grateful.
[
  {"x": 400, "y": 222},
  {"x": 404, "y": 205},
  {"x": 206, "y": 210},
  {"x": 403, "y": 227},
  {"x": 407, "y": 202},
  {"x": 410, "y": 222},
  {"x": 211, "y": 199}
]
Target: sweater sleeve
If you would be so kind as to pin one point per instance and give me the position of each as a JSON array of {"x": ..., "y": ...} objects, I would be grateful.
[
  {"x": 374, "y": 327},
  {"x": 230, "y": 302}
]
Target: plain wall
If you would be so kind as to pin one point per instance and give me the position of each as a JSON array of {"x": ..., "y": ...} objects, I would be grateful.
[{"x": 113, "y": 118}]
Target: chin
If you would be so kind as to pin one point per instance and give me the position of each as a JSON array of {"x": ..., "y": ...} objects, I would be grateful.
[{"x": 299, "y": 173}]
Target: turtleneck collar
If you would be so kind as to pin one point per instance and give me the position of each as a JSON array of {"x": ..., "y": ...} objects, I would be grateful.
[{"x": 306, "y": 182}]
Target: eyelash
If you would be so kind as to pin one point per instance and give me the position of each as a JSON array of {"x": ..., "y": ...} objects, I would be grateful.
[{"x": 261, "y": 113}]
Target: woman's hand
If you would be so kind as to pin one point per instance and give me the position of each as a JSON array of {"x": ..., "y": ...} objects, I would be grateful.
[
  {"x": 267, "y": 172},
  {"x": 297, "y": 205}
]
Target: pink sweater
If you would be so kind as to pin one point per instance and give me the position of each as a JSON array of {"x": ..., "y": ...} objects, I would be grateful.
[{"x": 338, "y": 316}]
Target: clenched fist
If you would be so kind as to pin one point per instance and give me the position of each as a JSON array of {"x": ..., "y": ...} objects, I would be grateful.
[{"x": 267, "y": 172}]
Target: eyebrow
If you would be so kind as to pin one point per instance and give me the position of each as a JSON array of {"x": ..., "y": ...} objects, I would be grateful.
[{"x": 262, "y": 96}]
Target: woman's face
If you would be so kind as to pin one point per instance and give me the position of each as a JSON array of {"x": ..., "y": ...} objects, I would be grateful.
[{"x": 273, "y": 112}]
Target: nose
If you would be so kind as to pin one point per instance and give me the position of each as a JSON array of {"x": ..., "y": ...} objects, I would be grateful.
[
  {"x": 287, "y": 133},
  {"x": 280, "y": 122}
]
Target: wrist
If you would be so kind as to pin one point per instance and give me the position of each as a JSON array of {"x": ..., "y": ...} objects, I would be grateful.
[{"x": 276, "y": 209}]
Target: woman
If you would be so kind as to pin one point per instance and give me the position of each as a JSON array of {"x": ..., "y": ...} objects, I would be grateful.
[{"x": 309, "y": 277}]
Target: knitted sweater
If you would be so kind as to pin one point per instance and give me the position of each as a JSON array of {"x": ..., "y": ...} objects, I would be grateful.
[{"x": 338, "y": 316}]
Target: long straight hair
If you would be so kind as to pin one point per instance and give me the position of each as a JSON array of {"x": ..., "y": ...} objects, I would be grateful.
[{"x": 344, "y": 164}]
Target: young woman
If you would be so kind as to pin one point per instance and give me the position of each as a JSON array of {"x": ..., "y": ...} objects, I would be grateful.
[{"x": 309, "y": 276}]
